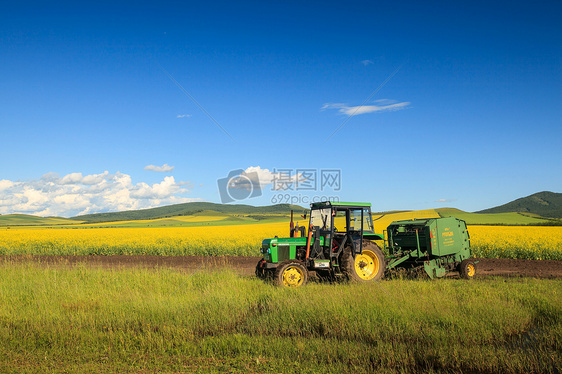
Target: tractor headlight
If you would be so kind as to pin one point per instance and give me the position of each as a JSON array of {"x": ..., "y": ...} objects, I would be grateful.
[{"x": 267, "y": 244}]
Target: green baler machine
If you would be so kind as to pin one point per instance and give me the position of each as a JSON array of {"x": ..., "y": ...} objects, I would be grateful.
[{"x": 438, "y": 245}]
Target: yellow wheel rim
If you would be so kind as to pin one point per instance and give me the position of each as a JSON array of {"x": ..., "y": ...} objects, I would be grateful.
[
  {"x": 470, "y": 270},
  {"x": 293, "y": 276},
  {"x": 367, "y": 265}
]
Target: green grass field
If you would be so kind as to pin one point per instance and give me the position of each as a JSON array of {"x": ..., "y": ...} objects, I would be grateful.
[
  {"x": 29, "y": 220},
  {"x": 86, "y": 320},
  {"x": 202, "y": 214},
  {"x": 492, "y": 218},
  {"x": 216, "y": 218},
  {"x": 190, "y": 209}
]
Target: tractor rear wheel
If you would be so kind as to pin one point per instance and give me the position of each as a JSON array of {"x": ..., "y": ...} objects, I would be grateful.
[
  {"x": 467, "y": 269},
  {"x": 291, "y": 273},
  {"x": 364, "y": 267}
]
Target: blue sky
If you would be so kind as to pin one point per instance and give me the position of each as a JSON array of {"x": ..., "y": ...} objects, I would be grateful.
[{"x": 91, "y": 118}]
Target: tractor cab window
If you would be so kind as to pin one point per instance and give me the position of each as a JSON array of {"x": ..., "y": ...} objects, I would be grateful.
[
  {"x": 367, "y": 221},
  {"x": 356, "y": 219},
  {"x": 321, "y": 218},
  {"x": 340, "y": 224}
]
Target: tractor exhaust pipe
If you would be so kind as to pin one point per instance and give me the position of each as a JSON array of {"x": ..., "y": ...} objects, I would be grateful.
[
  {"x": 292, "y": 226},
  {"x": 308, "y": 242}
]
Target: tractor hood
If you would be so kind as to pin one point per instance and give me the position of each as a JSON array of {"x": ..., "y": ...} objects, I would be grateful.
[
  {"x": 280, "y": 249},
  {"x": 274, "y": 242}
]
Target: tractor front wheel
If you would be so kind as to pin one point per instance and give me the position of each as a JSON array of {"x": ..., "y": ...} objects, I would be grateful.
[
  {"x": 366, "y": 266},
  {"x": 291, "y": 273},
  {"x": 467, "y": 269},
  {"x": 261, "y": 272}
]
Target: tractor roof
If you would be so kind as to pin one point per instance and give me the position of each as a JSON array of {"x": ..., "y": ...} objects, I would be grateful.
[{"x": 327, "y": 204}]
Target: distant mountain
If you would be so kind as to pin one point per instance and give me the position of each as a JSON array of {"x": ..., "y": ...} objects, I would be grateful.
[
  {"x": 545, "y": 204},
  {"x": 188, "y": 209}
]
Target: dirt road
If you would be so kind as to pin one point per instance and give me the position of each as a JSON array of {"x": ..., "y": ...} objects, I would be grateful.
[{"x": 246, "y": 265}]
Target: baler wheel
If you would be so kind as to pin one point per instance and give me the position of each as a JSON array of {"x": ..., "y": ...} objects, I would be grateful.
[
  {"x": 364, "y": 267},
  {"x": 467, "y": 269},
  {"x": 291, "y": 273}
]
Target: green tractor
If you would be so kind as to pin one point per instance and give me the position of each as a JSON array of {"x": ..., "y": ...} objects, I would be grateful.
[{"x": 339, "y": 244}]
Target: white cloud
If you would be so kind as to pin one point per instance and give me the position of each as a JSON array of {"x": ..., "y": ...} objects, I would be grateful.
[
  {"x": 183, "y": 116},
  {"x": 380, "y": 106},
  {"x": 445, "y": 200},
  {"x": 258, "y": 175},
  {"x": 75, "y": 194},
  {"x": 163, "y": 168},
  {"x": 255, "y": 175},
  {"x": 4, "y": 184},
  {"x": 95, "y": 178},
  {"x": 367, "y": 62},
  {"x": 71, "y": 178}
]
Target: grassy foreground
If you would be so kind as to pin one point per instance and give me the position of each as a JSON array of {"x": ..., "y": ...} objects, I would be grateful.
[{"x": 138, "y": 320}]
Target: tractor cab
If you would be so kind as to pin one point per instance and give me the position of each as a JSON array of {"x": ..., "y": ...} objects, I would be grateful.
[{"x": 340, "y": 225}]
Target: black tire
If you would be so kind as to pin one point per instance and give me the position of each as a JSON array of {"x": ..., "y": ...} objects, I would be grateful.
[
  {"x": 366, "y": 267},
  {"x": 261, "y": 273},
  {"x": 291, "y": 273},
  {"x": 467, "y": 269}
]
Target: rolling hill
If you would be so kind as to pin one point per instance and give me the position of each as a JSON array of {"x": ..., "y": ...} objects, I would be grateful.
[
  {"x": 545, "y": 204},
  {"x": 29, "y": 220},
  {"x": 188, "y": 209},
  {"x": 538, "y": 209},
  {"x": 510, "y": 218}
]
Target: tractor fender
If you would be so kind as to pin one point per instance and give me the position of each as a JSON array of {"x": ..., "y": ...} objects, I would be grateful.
[{"x": 373, "y": 236}]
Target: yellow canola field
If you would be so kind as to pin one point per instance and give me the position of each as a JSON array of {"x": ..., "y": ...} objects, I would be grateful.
[
  {"x": 239, "y": 240},
  {"x": 538, "y": 242},
  {"x": 529, "y": 242}
]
